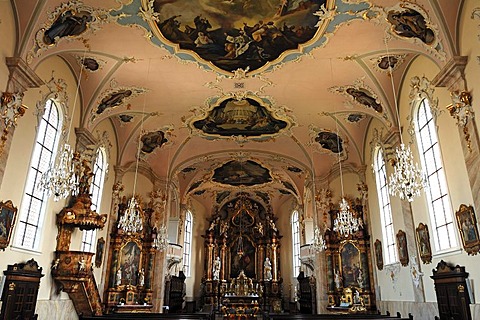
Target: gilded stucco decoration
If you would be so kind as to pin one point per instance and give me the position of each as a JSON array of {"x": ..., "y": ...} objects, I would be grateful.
[
  {"x": 57, "y": 92},
  {"x": 421, "y": 89},
  {"x": 70, "y": 21}
]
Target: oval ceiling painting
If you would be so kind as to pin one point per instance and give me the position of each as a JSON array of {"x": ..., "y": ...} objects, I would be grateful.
[{"x": 233, "y": 34}]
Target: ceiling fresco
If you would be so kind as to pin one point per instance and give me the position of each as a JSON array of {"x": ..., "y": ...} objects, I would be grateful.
[
  {"x": 245, "y": 117},
  {"x": 246, "y": 173},
  {"x": 237, "y": 34}
]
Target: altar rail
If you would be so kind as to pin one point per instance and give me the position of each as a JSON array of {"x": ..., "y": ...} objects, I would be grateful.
[
  {"x": 337, "y": 316},
  {"x": 151, "y": 316}
]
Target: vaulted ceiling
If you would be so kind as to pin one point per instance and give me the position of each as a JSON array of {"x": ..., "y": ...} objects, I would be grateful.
[{"x": 230, "y": 94}]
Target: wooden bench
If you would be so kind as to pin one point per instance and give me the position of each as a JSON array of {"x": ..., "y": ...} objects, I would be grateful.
[
  {"x": 150, "y": 316},
  {"x": 335, "y": 316}
]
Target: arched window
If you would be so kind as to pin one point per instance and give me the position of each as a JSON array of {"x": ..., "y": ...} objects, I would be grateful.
[
  {"x": 96, "y": 190},
  {"x": 439, "y": 205},
  {"x": 295, "y": 243},
  {"x": 385, "y": 208},
  {"x": 187, "y": 243},
  {"x": 34, "y": 199}
]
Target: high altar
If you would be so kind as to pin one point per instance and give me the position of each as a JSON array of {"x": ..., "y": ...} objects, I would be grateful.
[{"x": 242, "y": 266}]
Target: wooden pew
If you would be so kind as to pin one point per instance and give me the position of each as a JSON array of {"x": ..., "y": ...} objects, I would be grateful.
[{"x": 150, "y": 316}]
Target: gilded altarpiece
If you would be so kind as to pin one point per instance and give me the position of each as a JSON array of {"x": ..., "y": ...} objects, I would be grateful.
[
  {"x": 130, "y": 262},
  {"x": 244, "y": 243},
  {"x": 349, "y": 266}
]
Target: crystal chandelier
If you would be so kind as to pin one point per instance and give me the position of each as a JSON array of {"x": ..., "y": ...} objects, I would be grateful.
[
  {"x": 131, "y": 220},
  {"x": 318, "y": 243},
  {"x": 60, "y": 179},
  {"x": 407, "y": 179},
  {"x": 160, "y": 242},
  {"x": 345, "y": 223}
]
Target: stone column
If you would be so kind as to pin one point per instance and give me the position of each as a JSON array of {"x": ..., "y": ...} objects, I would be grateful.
[
  {"x": 20, "y": 79},
  {"x": 452, "y": 76}
]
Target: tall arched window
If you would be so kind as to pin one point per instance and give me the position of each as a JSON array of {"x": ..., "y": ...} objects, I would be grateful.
[
  {"x": 295, "y": 243},
  {"x": 187, "y": 243},
  {"x": 385, "y": 208},
  {"x": 34, "y": 200},
  {"x": 96, "y": 190},
  {"x": 439, "y": 205}
]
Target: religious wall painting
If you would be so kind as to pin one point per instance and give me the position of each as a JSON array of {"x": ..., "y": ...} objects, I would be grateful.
[
  {"x": 69, "y": 23},
  {"x": 263, "y": 195},
  {"x": 8, "y": 214},
  {"x": 244, "y": 117},
  {"x": 245, "y": 261},
  {"x": 113, "y": 99},
  {"x": 352, "y": 274},
  {"x": 130, "y": 263},
  {"x": 423, "y": 241},
  {"x": 294, "y": 169},
  {"x": 409, "y": 23},
  {"x": 365, "y": 98},
  {"x": 90, "y": 64},
  {"x": 402, "y": 248},
  {"x": 125, "y": 118},
  {"x": 152, "y": 140},
  {"x": 99, "y": 252},
  {"x": 467, "y": 226},
  {"x": 237, "y": 173},
  {"x": 222, "y": 196},
  {"x": 378, "y": 254},
  {"x": 330, "y": 141},
  {"x": 252, "y": 34},
  {"x": 188, "y": 169},
  {"x": 289, "y": 186},
  {"x": 355, "y": 117},
  {"x": 194, "y": 185}
]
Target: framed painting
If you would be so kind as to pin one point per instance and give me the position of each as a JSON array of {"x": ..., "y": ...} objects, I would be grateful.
[
  {"x": 378, "y": 254},
  {"x": 351, "y": 267},
  {"x": 130, "y": 263},
  {"x": 99, "y": 252},
  {"x": 423, "y": 241},
  {"x": 402, "y": 248},
  {"x": 8, "y": 213},
  {"x": 467, "y": 225}
]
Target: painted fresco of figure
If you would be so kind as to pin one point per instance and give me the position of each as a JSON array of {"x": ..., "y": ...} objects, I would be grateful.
[
  {"x": 411, "y": 24},
  {"x": 152, "y": 140},
  {"x": 113, "y": 100},
  {"x": 363, "y": 98},
  {"x": 67, "y": 24},
  {"x": 330, "y": 141}
]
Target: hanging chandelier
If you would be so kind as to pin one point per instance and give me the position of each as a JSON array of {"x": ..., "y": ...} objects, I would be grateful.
[
  {"x": 345, "y": 223},
  {"x": 407, "y": 179},
  {"x": 318, "y": 243},
  {"x": 131, "y": 220},
  {"x": 60, "y": 179},
  {"x": 160, "y": 242}
]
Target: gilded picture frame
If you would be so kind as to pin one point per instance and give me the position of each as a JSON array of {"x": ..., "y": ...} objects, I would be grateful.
[
  {"x": 468, "y": 229},
  {"x": 8, "y": 214},
  {"x": 378, "y": 254},
  {"x": 402, "y": 248},
  {"x": 423, "y": 242}
]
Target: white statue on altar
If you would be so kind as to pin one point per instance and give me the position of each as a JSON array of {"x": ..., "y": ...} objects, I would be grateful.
[
  {"x": 216, "y": 268},
  {"x": 267, "y": 267}
]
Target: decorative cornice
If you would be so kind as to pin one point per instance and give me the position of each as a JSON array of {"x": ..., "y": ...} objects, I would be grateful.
[
  {"x": 21, "y": 77},
  {"x": 452, "y": 74}
]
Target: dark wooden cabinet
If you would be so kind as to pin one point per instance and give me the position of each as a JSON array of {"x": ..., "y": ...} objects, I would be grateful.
[
  {"x": 19, "y": 296},
  {"x": 452, "y": 293},
  {"x": 175, "y": 292},
  {"x": 307, "y": 294}
]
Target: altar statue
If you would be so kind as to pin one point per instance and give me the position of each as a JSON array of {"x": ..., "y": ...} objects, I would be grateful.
[
  {"x": 216, "y": 268},
  {"x": 267, "y": 267}
]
